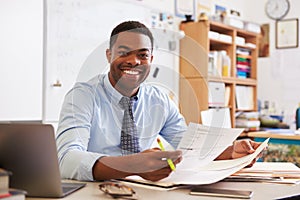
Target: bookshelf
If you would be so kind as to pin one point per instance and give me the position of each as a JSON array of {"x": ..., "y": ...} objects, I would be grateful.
[{"x": 199, "y": 50}]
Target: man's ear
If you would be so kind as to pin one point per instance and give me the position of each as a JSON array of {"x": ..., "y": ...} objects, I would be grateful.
[{"x": 108, "y": 55}]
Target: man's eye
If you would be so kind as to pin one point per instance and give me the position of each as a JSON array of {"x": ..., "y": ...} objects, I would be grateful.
[
  {"x": 144, "y": 56},
  {"x": 123, "y": 53}
]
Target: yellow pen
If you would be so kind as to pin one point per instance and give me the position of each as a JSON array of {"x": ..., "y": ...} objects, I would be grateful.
[{"x": 170, "y": 162}]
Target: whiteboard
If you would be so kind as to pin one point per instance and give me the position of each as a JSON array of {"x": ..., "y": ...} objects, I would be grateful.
[{"x": 77, "y": 34}]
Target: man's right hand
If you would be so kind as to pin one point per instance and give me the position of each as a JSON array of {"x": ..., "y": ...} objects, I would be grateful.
[
  {"x": 157, "y": 165},
  {"x": 150, "y": 165}
]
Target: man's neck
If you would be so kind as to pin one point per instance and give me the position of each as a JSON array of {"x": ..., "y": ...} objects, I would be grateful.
[{"x": 124, "y": 91}]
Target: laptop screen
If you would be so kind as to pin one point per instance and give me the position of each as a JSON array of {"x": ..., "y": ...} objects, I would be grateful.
[{"x": 29, "y": 152}]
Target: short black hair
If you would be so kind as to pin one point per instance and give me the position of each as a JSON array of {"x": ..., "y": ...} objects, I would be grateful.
[{"x": 130, "y": 26}]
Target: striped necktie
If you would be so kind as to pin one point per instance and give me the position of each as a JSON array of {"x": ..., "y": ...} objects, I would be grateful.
[{"x": 129, "y": 139}]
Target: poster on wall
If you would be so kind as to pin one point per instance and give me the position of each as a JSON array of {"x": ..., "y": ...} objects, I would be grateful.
[
  {"x": 264, "y": 41},
  {"x": 287, "y": 33}
]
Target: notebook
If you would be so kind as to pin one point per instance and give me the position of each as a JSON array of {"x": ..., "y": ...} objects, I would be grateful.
[{"x": 29, "y": 152}]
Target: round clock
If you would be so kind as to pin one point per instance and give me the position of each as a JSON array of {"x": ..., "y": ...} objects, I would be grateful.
[{"x": 277, "y": 9}]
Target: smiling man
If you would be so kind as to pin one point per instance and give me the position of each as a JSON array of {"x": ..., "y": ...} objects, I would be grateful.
[{"x": 108, "y": 124}]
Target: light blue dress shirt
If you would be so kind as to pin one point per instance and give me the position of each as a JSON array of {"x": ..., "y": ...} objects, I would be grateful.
[{"x": 91, "y": 121}]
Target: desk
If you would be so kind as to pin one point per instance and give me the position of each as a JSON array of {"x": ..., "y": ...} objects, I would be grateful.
[
  {"x": 282, "y": 146},
  {"x": 279, "y": 138},
  {"x": 261, "y": 191}
]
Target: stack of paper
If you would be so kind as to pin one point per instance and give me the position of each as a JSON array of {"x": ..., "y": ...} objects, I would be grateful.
[
  {"x": 200, "y": 146},
  {"x": 275, "y": 172}
]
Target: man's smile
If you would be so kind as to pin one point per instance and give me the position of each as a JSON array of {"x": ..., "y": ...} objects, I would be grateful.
[{"x": 131, "y": 72}]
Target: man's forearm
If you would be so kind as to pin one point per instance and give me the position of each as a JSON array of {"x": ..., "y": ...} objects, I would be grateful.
[{"x": 107, "y": 168}]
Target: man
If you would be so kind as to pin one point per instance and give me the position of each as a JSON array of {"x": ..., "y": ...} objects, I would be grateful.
[{"x": 90, "y": 136}]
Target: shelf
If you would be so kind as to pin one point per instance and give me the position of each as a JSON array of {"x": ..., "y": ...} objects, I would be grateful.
[
  {"x": 219, "y": 42},
  {"x": 196, "y": 100},
  {"x": 246, "y": 81},
  {"x": 243, "y": 110},
  {"x": 237, "y": 81},
  {"x": 245, "y": 47}
]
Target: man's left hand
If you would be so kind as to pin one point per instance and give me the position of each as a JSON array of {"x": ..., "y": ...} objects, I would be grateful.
[{"x": 244, "y": 147}]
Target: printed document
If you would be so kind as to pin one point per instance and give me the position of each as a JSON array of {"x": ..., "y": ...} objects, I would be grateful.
[{"x": 200, "y": 146}]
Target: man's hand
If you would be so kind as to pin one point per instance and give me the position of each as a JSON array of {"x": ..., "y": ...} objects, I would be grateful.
[
  {"x": 239, "y": 149},
  {"x": 150, "y": 164},
  {"x": 161, "y": 167},
  {"x": 244, "y": 147}
]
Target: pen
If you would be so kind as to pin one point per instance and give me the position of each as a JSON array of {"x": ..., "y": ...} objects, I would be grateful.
[{"x": 170, "y": 162}]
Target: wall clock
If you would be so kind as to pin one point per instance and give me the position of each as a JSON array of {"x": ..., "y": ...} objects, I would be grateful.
[{"x": 277, "y": 9}]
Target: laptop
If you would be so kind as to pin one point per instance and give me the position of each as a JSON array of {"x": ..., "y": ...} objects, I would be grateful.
[{"x": 29, "y": 152}]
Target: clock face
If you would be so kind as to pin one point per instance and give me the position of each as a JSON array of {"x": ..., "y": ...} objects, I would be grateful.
[{"x": 277, "y": 9}]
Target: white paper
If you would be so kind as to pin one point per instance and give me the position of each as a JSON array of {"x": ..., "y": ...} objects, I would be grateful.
[
  {"x": 216, "y": 117},
  {"x": 201, "y": 144},
  {"x": 213, "y": 173}
]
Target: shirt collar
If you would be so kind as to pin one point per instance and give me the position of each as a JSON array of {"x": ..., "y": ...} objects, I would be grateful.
[{"x": 114, "y": 95}]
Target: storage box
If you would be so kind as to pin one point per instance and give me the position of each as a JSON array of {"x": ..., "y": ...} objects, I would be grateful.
[
  {"x": 216, "y": 94},
  {"x": 240, "y": 40},
  {"x": 213, "y": 35},
  {"x": 250, "y": 26}
]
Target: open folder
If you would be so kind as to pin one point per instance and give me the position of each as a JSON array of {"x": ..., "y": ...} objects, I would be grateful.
[{"x": 200, "y": 146}]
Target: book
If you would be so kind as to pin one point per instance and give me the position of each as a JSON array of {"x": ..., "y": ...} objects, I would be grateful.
[
  {"x": 227, "y": 95},
  {"x": 249, "y": 115},
  {"x": 274, "y": 172},
  {"x": 245, "y": 123},
  {"x": 14, "y": 194},
  {"x": 4, "y": 182}
]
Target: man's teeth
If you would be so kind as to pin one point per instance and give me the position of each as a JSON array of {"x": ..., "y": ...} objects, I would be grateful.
[{"x": 131, "y": 72}]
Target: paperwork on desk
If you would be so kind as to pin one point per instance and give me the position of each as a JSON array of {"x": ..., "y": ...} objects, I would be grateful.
[
  {"x": 273, "y": 172},
  {"x": 200, "y": 146}
]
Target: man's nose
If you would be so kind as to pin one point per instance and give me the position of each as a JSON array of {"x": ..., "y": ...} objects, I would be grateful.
[{"x": 133, "y": 60}]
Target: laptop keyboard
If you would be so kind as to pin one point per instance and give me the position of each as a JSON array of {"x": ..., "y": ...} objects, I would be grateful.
[{"x": 71, "y": 187}]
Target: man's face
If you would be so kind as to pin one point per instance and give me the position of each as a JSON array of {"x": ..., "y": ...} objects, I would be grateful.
[{"x": 130, "y": 58}]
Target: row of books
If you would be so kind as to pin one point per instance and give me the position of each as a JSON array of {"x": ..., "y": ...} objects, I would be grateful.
[
  {"x": 7, "y": 193},
  {"x": 243, "y": 64},
  {"x": 248, "y": 120},
  {"x": 219, "y": 63}
]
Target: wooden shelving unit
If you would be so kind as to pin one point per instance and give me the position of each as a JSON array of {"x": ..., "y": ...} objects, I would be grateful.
[{"x": 194, "y": 64}]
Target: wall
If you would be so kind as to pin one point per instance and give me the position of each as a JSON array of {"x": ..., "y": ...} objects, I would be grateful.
[
  {"x": 21, "y": 63},
  {"x": 278, "y": 75}
]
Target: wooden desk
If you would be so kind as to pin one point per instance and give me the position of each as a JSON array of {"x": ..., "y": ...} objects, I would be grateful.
[
  {"x": 260, "y": 191},
  {"x": 279, "y": 138}
]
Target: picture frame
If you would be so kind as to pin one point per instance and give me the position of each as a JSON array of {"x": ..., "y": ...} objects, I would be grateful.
[
  {"x": 287, "y": 33},
  {"x": 185, "y": 7}
]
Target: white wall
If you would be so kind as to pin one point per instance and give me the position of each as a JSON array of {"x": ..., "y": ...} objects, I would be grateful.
[
  {"x": 279, "y": 74},
  {"x": 21, "y": 60}
]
